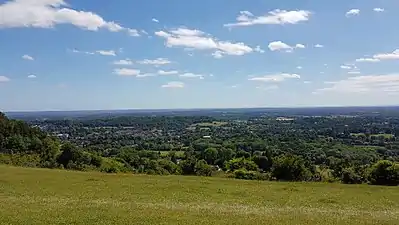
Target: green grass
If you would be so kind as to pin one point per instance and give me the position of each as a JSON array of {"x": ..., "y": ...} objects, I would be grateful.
[{"x": 40, "y": 196}]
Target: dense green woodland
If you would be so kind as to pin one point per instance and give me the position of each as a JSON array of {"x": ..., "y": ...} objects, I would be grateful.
[{"x": 349, "y": 149}]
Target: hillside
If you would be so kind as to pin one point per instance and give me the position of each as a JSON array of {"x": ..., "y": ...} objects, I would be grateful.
[{"x": 41, "y": 196}]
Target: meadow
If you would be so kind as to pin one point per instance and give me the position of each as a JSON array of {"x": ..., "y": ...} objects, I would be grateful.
[{"x": 42, "y": 196}]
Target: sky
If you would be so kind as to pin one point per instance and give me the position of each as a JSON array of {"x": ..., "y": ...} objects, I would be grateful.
[{"x": 162, "y": 54}]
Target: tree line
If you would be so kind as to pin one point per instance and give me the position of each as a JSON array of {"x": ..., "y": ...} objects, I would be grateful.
[{"x": 233, "y": 151}]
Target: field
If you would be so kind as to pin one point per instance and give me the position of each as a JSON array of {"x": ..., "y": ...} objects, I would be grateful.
[{"x": 40, "y": 196}]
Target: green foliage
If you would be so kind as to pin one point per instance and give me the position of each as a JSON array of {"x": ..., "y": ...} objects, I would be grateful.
[
  {"x": 250, "y": 175},
  {"x": 203, "y": 169},
  {"x": 290, "y": 168},
  {"x": 350, "y": 176},
  {"x": 384, "y": 173},
  {"x": 241, "y": 163}
]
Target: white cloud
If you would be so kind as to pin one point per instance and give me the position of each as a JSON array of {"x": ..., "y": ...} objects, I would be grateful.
[
  {"x": 82, "y": 52},
  {"x": 367, "y": 60},
  {"x": 133, "y": 32},
  {"x": 100, "y": 52},
  {"x": 299, "y": 46},
  {"x": 127, "y": 72},
  {"x": 281, "y": 46},
  {"x": 192, "y": 75},
  {"x": 299, "y": 67},
  {"x": 49, "y": 13},
  {"x": 307, "y": 82},
  {"x": 217, "y": 54},
  {"x": 106, "y": 52},
  {"x": 353, "y": 72},
  {"x": 4, "y": 79},
  {"x": 28, "y": 57},
  {"x": 158, "y": 61},
  {"x": 346, "y": 67},
  {"x": 171, "y": 72},
  {"x": 123, "y": 62},
  {"x": 277, "y": 16},
  {"x": 173, "y": 84},
  {"x": 275, "y": 77},
  {"x": 32, "y": 76},
  {"x": 353, "y": 12},
  {"x": 196, "y": 39},
  {"x": 379, "y": 10},
  {"x": 155, "y": 20},
  {"x": 132, "y": 72},
  {"x": 363, "y": 84},
  {"x": 319, "y": 46},
  {"x": 259, "y": 49},
  {"x": 387, "y": 56},
  {"x": 381, "y": 56}
]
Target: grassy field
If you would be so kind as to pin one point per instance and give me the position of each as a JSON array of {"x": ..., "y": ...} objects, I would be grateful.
[{"x": 39, "y": 196}]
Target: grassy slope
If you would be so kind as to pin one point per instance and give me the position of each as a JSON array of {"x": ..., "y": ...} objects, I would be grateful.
[{"x": 39, "y": 196}]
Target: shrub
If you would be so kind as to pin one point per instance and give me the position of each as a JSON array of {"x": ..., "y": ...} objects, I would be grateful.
[
  {"x": 350, "y": 176},
  {"x": 290, "y": 168},
  {"x": 241, "y": 163},
  {"x": 250, "y": 175},
  {"x": 203, "y": 169},
  {"x": 384, "y": 173}
]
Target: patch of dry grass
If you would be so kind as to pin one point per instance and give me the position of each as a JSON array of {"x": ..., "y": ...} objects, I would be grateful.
[{"x": 39, "y": 196}]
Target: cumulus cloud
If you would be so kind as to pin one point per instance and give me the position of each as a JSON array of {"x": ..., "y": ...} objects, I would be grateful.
[
  {"x": 49, "y": 13},
  {"x": 281, "y": 46},
  {"x": 157, "y": 62},
  {"x": 123, "y": 62},
  {"x": 192, "y": 75},
  {"x": 106, "y": 52},
  {"x": 367, "y": 60},
  {"x": 277, "y": 16},
  {"x": 173, "y": 84},
  {"x": 275, "y": 77},
  {"x": 170, "y": 72},
  {"x": 353, "y": 12},
  {"x": 32, "y": 76},
  {"x": 4, "y": 79},
  {"x": 131, "y": 72},
  {"x": 155, "y": 20},
  {"x": 346, "y": 67},
  {"x": 299, "y": 67},
  {"x": 99, "y": 52},
  {"x": 380, "y": 57},
  {"x": 362, "y": 84},
  {"x": 28, "y": 57},
  {"x": 299, "y": 46},
  {"x": 319, "y": 46},
  {"x": 387, "y": 56},
  {"x": 127, "y": 72},
  {"x": 379, "y": 10},
  {"x": 195, "y": 39}
]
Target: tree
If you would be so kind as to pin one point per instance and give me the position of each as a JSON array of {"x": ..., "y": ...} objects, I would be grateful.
[
  {"x": 349, "y": 176},
  {"x": 188, "y": 166},
  {"x": 203, "y": 169},
  {"x": 241, "y": 163},
  {"x": 263, "y": 162},
  {"x": 70, "y": 153},
  {"x": 290, "y": 168},
  {"x": 385, "y": 172},
  {"x": 211, "y": 155}
]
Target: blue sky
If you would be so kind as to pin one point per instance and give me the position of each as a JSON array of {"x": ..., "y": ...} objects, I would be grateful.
[{"x": 75, "y": 55}]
